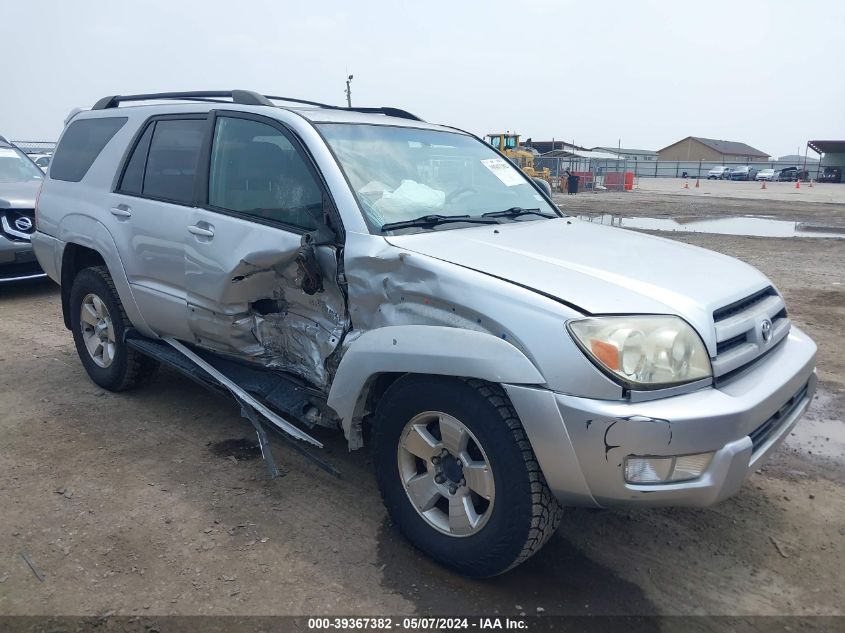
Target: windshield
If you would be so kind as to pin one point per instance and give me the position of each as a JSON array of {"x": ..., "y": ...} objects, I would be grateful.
[
  {"x": 400, "y": 174},
  {"x": 16, "y": 167}
]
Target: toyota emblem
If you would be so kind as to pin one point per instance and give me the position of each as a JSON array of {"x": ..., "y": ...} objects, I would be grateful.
[
  {"x": 766, "y": 330},
  {"x": 23, "y": 223}
]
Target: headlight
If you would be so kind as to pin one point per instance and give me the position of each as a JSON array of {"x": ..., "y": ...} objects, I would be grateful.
[{"x": 643, "y": 352}]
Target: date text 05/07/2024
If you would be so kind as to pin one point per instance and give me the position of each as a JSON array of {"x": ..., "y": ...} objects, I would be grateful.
[{"x": 421, "y": 623}]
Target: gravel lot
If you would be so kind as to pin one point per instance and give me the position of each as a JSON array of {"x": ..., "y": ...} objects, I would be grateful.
[{"x": 131, "y": 503}]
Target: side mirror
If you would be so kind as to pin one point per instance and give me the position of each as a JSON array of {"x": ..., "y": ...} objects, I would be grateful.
[
  {"x": 544, "y": 185},
  {"x": 309, "y": 275}
]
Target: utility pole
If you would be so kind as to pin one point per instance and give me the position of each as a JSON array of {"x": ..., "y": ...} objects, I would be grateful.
[{"x": 349, "y": 91}]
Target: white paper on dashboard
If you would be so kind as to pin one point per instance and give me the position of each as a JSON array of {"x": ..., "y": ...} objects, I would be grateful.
[{"x": 503, "y": 171}]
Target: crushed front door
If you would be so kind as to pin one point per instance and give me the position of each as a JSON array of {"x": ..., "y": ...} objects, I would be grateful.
[{"x": 255, "y": 288}]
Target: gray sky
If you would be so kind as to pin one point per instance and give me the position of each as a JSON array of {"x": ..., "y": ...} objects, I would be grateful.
[{"x": 766, "y": 72}]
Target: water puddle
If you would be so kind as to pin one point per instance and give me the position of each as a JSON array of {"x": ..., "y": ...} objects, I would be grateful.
[
  {"x": 751, "y": 226},
  {"x": 821, "y": 431}
]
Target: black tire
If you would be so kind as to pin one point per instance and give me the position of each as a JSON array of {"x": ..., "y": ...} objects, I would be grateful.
[
  {"x": 524, "y": 514},
  {"x": 129, "y": 367}
]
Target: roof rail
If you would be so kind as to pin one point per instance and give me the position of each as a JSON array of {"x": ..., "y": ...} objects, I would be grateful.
[
  {"x": 243, "y": 97},
  {"x": 3, "y": 140},
  {"x": 387, "y": 111}
]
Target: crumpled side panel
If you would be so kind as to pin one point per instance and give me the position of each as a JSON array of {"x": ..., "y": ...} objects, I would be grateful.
[
  {"x": 265, "y": 316},
  {"x": 388, "y": 286}
]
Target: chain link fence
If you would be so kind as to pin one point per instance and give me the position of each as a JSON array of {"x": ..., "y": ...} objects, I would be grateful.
[
  {"x": 35, "y": 147},
  {"x": 699, "y": 169},
  {"x": 621, "y": 175},
  {"x": 594, "y": 174}
]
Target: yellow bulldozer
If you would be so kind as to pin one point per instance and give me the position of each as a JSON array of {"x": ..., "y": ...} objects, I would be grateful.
[{"x": 509, "y": 145}]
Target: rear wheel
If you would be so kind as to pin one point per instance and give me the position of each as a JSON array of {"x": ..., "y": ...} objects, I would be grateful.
[
  {"x": 99, "y": 323},
  {"x": 458, "y": 475}
]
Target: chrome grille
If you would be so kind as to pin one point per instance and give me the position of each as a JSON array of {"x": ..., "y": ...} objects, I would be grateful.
[
  {"x": 747, "y": 329},
  {"x": 17, "y": 224}
]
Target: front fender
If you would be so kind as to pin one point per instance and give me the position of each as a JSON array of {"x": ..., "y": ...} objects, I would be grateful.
[{"x": 423, "y": 349}]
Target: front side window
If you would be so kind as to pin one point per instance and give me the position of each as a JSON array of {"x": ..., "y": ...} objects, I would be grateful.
[
  {"x": 16, "y": 167},
  {"x": 81, "y": 143},
  {"x": 172, "y": 160},
  {"x": 256, "y": 171},
  {"x": 399, "y": 174}
]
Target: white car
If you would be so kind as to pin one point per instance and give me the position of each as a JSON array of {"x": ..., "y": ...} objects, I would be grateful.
[
  {"x": 717, "y": 173},
  {"x": 765, "y": 174},
  {"x": 42, "y": 160}
]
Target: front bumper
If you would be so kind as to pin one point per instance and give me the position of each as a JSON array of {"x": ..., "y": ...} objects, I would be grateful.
[
  {"x": 17, "y": 261},
  {"x": 581, "y": 443}
]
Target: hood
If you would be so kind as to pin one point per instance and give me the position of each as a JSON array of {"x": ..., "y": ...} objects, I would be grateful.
[
  {"x": 598, "y": 269},
  {"x": 19, "y": 195}
]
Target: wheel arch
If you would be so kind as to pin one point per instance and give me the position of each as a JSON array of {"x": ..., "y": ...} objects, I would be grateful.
[
  {"x": 87, "y": 242},
  {"x": 378, "y": 357}
]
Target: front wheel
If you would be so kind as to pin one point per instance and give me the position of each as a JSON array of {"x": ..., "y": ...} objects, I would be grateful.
[{"x": 458, "y": 475}]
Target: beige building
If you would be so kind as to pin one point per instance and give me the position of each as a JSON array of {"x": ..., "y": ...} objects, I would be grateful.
[{"x": 695, "y": 148}]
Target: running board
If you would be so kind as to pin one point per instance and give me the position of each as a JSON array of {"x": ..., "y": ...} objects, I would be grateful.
[
  {"x": 184, "y": 360},
  {"x": 242, "y": 395}
]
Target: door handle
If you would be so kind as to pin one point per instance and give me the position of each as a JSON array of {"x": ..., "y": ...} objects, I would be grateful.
[
  {"x": 201, "y": 230},
  {"x": 121, "y": 211}
]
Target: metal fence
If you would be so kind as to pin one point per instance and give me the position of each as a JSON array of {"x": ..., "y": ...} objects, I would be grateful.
[
  {"x": 609, "y": 175},
  {"x": 593, "y": 174},
  {"x": 35, "y": 147},
  {"x": 699, "y": 169}
]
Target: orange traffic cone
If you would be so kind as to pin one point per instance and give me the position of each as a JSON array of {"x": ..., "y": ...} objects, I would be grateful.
[
  {"x": 686, "y": 184},
  {"x": 697, "y": 183},
  {"x": 798, "y": 183},
  {"x": 763, "y": 186}
]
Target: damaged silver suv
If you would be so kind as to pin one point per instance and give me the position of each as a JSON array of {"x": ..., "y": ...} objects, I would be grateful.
[{"x": 361, "y": 269}]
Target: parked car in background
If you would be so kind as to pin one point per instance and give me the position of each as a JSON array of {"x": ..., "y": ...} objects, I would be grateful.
[
  {"x": 42, "y": 160},
  {"x": 765, "y": 174},
  {"x": 502, "y": 359},
  {"x": 717, "y": 173},
  {"x": 791, "y": 174},
  {"x": 830, "y": 174},
  {"x": 20, "y": 179},
  {"x": 745, "y": 172}
]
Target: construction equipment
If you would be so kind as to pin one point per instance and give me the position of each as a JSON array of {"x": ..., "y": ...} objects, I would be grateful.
[{"x": 523, "y": 157}]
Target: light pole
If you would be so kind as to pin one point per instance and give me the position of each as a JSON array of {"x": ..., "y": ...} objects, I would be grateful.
[{"x": 349, "y": 91}]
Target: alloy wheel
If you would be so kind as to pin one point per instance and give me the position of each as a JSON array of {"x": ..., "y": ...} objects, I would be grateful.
[
  {"x": 97, "y": 330},
  {"x": 446, "y": 474}
]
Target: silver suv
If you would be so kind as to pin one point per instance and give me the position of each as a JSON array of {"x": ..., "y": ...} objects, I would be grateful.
[{"x": 361, "y": 269}]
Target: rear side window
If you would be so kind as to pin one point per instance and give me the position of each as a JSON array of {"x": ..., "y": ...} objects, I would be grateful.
[
  {"x": 172, "y": 160},
  {"x": 81, "y": 143},
  {"x": 133, "y": 176}
]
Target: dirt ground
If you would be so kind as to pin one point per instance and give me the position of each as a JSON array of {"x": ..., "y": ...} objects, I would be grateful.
[{"x": 132, "y": 504}]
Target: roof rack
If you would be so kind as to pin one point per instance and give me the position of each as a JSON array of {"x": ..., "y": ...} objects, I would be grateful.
[{"x": 243, "y": 97}]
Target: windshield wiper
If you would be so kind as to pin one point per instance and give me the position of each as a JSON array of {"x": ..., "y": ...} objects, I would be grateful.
[
  {"x": 427, "y": 221},
  {"x": 514, "y": 212}
]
